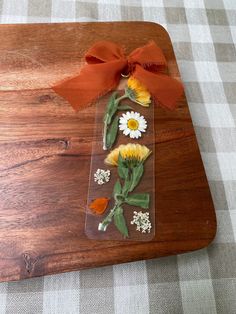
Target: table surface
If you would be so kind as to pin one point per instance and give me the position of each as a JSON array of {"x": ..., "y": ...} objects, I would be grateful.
[
  {"x": 203, "y": 281},
  {"x": 45, "y": 156}
]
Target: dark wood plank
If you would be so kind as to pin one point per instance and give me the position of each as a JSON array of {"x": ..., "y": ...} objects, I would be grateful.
[{"x": 45, "y": 156}]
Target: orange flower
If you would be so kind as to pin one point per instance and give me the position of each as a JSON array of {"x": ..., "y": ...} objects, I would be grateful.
[{"x": 99, "y": 205}]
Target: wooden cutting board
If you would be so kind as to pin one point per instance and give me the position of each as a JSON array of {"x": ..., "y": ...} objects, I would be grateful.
[{"x": 45, "y": 152}]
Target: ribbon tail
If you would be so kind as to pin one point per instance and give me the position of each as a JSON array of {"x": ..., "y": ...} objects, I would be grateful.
[
  {"x": 165, "y": 90},
  {"x": 94, "y": 81}
]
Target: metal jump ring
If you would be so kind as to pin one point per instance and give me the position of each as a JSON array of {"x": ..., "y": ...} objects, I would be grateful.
[{"x": 125, "y": 75}]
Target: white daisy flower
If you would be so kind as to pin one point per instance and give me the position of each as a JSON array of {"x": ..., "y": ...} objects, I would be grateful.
[{"x": 132, "y": 124}]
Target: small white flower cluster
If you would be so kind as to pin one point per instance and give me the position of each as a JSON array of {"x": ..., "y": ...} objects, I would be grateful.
[
  {"x": 102, "y": 176},
  {"x": 141, "y": 220}
]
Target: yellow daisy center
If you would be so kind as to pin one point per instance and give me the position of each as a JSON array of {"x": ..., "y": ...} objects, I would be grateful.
[{"x": 133, "y": 124}]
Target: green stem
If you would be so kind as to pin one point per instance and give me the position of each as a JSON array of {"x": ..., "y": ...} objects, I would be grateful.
[
  {"x": 108, "y": 219},
  {"x": 121, "y": 97},
  {"x": 105, "y": 133}
]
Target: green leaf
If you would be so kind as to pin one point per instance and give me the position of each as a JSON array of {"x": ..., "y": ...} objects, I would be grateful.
[
  {"x": 119, "y": 221},
  {"x": 124, "y": 107},
  {"x": 126, "y": 187},
  {"x": 117, "y": 188},
  {"x": 112, "y": 133},
  {"x": 137, "y": 173},
  {"x": 123, "y": 171},
  {"x": 127, "y": 183},
  {"x": 111, "y": 108},
  {"x": 120, "y": 160},
  {"x": 141, "y": 200},
  {"x": 110, "y": 103}
]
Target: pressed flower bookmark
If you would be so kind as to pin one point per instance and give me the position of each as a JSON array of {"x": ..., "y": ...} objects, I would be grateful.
[{"x": 123, "y": 206}]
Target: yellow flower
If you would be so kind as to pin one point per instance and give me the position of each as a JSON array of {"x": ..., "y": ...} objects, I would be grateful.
[
  {"x": 137, "y": 92},
  {"x": 128, "y": 152}
]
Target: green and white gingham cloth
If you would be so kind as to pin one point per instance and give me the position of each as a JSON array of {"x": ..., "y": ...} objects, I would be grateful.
[{"x": 204, "y": 36}]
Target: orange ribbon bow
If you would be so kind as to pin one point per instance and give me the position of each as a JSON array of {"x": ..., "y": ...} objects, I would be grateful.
[{"x": 106, "y": 62}]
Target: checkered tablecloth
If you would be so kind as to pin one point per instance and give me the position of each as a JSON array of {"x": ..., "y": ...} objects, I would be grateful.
[{"x": 204, "y": 36}]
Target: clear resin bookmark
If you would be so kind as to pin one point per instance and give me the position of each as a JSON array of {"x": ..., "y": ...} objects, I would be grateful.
[{"x": 121, "y": 193}]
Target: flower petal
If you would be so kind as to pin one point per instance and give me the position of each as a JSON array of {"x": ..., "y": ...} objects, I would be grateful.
[
  {"x": 128, "y": 115},
  {"x": 123, "y": 120},
  {"x": 99, "y": 205},
  {"x": 137, "y": 115},
  {"x": 122, "y": 127},
  {"x": 127, "y": 131},
  {"x": 132, "y": 134},
  {"x": 138, "y": 134}
]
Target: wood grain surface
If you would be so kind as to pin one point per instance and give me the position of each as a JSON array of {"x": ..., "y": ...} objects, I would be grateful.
[{"x": 45, "y": 150}]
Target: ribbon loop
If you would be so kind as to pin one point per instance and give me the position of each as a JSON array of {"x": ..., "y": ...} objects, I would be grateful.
[
  {"x": 148, "y": 55},
  {"x": 104, "y": 51},
  {"x": 106, "y": 62}
]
